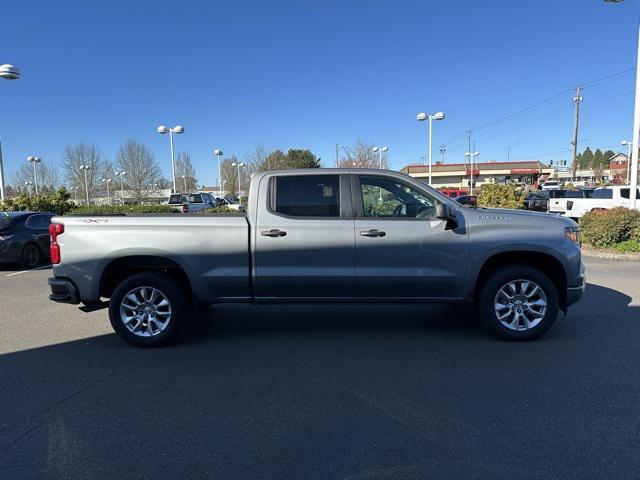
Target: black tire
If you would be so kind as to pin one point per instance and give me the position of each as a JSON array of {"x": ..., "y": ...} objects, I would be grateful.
[
  {"x": 503, "y": 277},
  {"x": 174, "y": 294},
  {"x": 30, "y": 256}
]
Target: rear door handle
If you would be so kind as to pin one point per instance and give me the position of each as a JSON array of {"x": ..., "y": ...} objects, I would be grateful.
[
  {"x": 273, "y": 233},
  {"x": 373, "y": 233}
]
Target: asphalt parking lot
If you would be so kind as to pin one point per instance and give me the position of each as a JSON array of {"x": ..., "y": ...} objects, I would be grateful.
[{"x": 384, "y": 392}]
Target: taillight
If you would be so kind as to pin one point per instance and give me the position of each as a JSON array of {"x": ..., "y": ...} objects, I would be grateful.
[
  {"x": 569, "y": 204},
  {"x": 55, "y": 229},
  {"x": 185, "y": 208}
]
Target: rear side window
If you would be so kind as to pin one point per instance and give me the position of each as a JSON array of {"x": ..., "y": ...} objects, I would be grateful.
[
  {"x": 175, "y": 198},
  {"x": 308, "y": 196},
  {"x": 603, "y": 193},
  {"x": 38, "y": 222},
  {"x": 195, "y": 198}
]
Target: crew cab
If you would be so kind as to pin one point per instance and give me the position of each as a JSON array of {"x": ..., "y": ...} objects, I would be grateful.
[
  {"x": 321, "y": 235},
  {"x": 603, "y": 198}
]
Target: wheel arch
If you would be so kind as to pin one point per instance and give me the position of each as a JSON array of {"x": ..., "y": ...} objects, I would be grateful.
[
  {"x": 544, "y": 262},
  {"x": 120, "y": 268}
]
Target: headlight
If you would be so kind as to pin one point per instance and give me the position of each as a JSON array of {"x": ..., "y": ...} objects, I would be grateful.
[{"x": 572, "y": 233}]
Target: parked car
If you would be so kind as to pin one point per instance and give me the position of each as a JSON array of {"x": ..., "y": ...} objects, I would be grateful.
[
  {"x": 551, "y": 185},
  {"x": 229, "y": 202},
  {"x": 467, "y": 200},
  {"x": 24, "y": 237},
  {"x": 192, "y": 202},
  {"x": 321, "y": 235},
  {"x": 537, "y": 200}
]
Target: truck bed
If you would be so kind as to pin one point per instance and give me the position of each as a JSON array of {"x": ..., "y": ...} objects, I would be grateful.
[{"x": 213, "y": 249}]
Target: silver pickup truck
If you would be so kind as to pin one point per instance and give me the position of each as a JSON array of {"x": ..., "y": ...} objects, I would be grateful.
[{"x": 321, "y": 235}]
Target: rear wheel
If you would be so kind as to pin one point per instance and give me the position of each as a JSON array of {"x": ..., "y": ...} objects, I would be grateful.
[
  {"x": 519, "y": 303},
  {"x": 30, "y": 256},
  {"x": 148, "y": 309}
]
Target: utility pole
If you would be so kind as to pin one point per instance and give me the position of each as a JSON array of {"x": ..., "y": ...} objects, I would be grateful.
[
  {"x": 469, "y": 133},
  {"x": 576, "y": 101},
  {"x": 337, "y": 150}
]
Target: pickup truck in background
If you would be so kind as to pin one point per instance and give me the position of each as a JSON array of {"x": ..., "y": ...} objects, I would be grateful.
[
  {"x": 321, "y": 235},
  {"x": 558, "y": 205},
  {"x": 603, "y": 198}
]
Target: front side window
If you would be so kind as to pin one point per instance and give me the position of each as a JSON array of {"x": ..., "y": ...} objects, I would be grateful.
[
  {"x": 388, "y": 198},
  {"x": 625, "y": 193},
  {"x": 308, "y": 196}
]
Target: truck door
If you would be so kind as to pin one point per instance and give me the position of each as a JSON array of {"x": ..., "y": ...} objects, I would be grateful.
[
  {"x": 402, "y": 249},
  {"x": 304, "y": 240}
]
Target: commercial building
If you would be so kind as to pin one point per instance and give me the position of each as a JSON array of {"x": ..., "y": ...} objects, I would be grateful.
[{"x": 458, "y": 175}]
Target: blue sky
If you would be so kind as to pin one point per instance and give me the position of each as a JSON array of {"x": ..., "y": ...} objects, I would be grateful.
[{"x": 313, "y": 73}]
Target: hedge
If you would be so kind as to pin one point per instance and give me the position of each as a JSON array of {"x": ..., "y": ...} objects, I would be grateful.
[
  {"x": 608, "y": 228},
  {"x": 57, "y": 202},
  {"x": 501, "y": 196},
  {"x": 122, "y": 209}
]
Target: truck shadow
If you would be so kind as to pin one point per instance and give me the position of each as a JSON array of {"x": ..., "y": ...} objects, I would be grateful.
[{"x": 223, "y": 321}]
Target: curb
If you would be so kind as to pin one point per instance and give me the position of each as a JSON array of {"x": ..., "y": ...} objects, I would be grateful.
[{"x": 633, "y": 257}]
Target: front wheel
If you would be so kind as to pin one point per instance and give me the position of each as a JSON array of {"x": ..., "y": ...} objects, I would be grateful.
[
  {"x": 519, "y": 303},
  {"x": 148, "y": 309}
]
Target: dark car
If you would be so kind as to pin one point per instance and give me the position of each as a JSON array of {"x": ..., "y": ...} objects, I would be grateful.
[
  {"x": 24, "y": 237},
  {"x": 538, "y": 200},
  {"x": 467, "y": 200}
]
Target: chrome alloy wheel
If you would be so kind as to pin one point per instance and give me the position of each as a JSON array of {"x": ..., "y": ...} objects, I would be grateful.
[
  {"x": 145, "y": 311},
  {"x": 520, "y": 305}
]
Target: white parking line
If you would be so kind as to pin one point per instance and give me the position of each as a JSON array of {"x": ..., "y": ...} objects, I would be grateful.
[{"x": 25, "y": 271}]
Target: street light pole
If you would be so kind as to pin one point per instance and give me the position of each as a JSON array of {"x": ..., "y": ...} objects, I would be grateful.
[
  {"x": 633, "y": 183},
  {"x": 422, "y": 117},
  {"x": 28, "y": 185},
  {"x": 628, "y": 143},
  {"x": 218, "y": 153},
  {"x": 177, "y": 129},
  {"x": 184, "y": 183},
  {"x": 86, "y": 168},
  {"x": 8, "y": 72},
  {"x": 380, "y": 151},
  {"x": 121, "y": 174},
  {"x": 471, "y": 156},
  {"x": 107, "y": 181},
  {"x": 238, "y": 164},
  {"x": 34, "y": 161}
]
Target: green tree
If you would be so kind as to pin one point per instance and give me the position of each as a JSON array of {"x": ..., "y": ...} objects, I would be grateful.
[
  {"x": 302, "y": 158},
  {"x": 586, "y": 159}
]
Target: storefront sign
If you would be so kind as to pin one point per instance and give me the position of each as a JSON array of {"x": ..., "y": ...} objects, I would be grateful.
[{"x": 524, "y": 171}]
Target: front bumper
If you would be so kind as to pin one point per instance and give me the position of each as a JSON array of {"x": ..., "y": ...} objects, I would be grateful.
[
  {"x": 574, "y": 293},
  {"x": 63, "y": 290}
]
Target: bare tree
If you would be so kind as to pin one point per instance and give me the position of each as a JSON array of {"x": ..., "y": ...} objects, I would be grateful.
[
  {"x": 143, "y": 171},
  {"x": 83, "y": 154},
  {"x": 47, "y": 177},
  {"x": 185, "y": 167},
  {"x": 256, "y": 159},
  {"x": 229, "y": 174},
  {"x": 361, "y": 155}
]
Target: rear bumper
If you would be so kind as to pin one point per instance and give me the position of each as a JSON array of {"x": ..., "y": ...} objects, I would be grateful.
[{"x": 63, "y": 290}]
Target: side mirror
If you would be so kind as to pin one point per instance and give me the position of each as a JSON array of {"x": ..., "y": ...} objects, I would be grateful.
[{"x": 446, "y": 213}]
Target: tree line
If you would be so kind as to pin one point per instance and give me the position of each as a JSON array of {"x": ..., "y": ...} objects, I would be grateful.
[
  {"x": 144, "y": 178},
  {"x": 597, "y": 161}
]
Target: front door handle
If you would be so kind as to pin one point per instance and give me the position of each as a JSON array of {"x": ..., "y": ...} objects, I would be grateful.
[
  {"x": 273, "y": 233},
  {"x": 373, "y": 233}
]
